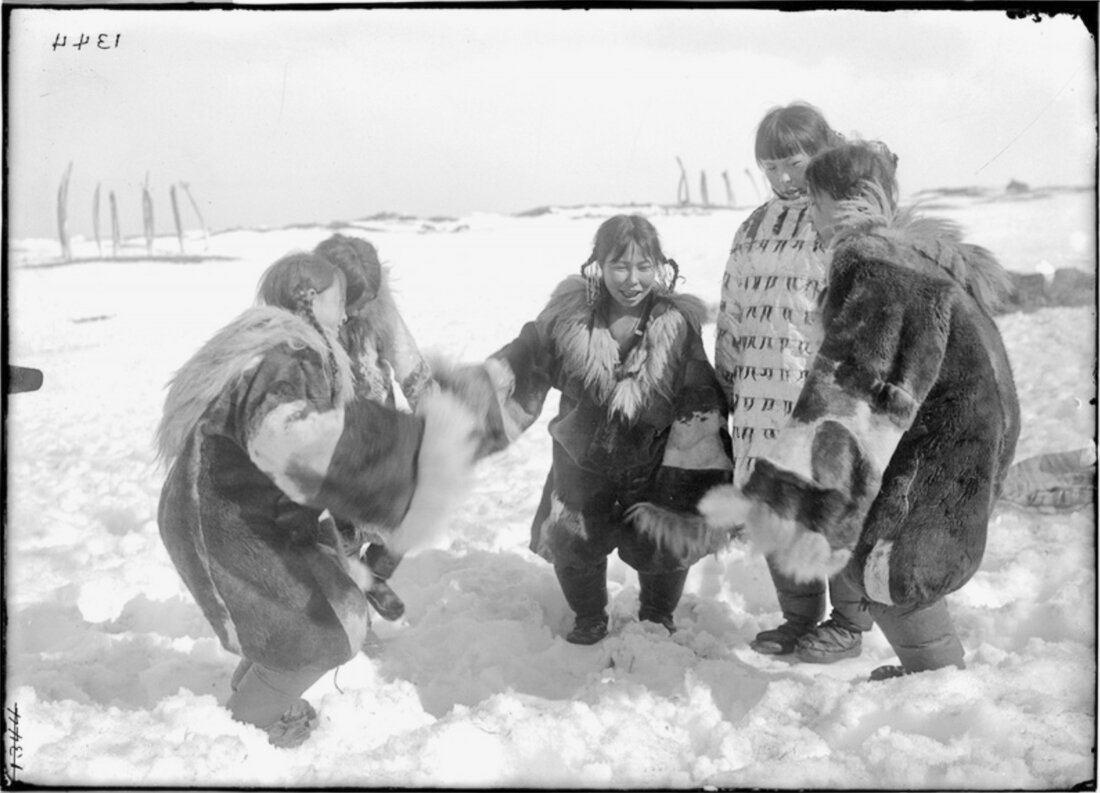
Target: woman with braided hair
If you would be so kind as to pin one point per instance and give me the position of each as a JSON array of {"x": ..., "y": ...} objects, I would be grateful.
[
  {"x": 262, "y": 432},
  {"x": 640, "y": 431}
]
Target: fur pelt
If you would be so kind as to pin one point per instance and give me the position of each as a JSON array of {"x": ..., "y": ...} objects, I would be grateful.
[
  {"x": 229, "y": 354},
  {"x": 444, "y": 470},
  {"x": 591, "y": 354},
  {"x": 906, "y": 424},
  {"x": 871, "y": 226},
  {"x": 802, "y": 555},
  {"x": 686, "y": 535}
]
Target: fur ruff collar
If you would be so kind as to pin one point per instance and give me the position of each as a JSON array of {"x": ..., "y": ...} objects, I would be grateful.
[
  {"x": 230, "y": 353},
  {"x": 590, "y": 353},
  {"x": 869, "y": 227}
]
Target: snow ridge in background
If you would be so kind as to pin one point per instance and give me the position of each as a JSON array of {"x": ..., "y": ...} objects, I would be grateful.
[{"x": 119, "y": 680}]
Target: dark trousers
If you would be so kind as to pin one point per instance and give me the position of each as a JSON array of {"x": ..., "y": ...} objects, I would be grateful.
[
  {"x": 923, "y": 636},
  {"x": 804, "y": 603},
  {"x": 262, "y": 695},
  {"x": 585, "y": 589}
]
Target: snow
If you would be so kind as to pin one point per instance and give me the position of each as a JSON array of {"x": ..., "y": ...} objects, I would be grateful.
[{"x": 119, "y": 681}]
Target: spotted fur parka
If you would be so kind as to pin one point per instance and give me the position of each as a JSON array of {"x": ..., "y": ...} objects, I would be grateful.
[
  {"x": 262, "y": 431},
  {"x": 900, "y": 440}
]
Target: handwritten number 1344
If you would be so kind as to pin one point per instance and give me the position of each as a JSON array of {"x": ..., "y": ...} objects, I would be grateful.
[{"x": 103, "y": 41}]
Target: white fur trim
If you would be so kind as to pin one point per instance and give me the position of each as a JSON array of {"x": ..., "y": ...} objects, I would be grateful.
[
  {"x": 592, "y": 354},
  {"x": 232, "y": 351},
  {"x": 724, "y": 507},
  {"x": 876, "y": 572},
  {"x": 802, "y": 554},
  {"x": 686, "y": 535},
  {"x": 444, "y": 470},
  {"x": 563, "y": 517},
  {"x": 294, "y": 446},
  {"x": 809, "y": 557}
]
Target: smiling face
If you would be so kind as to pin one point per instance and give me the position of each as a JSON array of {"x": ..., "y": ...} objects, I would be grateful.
[
  {"x": 787, "y": 176},
  {"x": 630, "y": 278}
]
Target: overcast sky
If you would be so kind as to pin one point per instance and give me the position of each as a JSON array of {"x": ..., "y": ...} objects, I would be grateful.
[{"x": 283, "y": 116}]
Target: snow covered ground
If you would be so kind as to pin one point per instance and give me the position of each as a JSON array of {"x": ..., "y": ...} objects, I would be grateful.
[{"x": 119, "y": 681}]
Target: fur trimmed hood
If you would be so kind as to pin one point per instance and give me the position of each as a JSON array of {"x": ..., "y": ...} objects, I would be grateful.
[
  {"x": 229, "y": 354},
  {"x": 590, "y": 353},
  {"x": 869, "y": 227}
]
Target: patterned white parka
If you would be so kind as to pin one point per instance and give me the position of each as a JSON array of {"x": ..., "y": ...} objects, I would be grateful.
[{"x": 767, "y": 323}]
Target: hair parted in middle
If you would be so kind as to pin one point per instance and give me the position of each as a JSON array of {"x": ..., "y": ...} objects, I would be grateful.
[
  {"x": 797, "y": 128},
  {"x": 613, "y": 238},
  {"x": 844, "y": 172}
]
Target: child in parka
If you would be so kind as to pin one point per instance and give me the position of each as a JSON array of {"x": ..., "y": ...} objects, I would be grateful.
[
  {"x": 768, "y": 333},
  {"x": 640, "y": 431},
  {"x": 908, "y": 421},
  {"x": 382, "y": 352},
  {"x": 261, "y": 433}
]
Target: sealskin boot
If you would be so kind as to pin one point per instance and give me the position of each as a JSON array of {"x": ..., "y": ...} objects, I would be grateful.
[
  {"x": 660, "y": 592},
  {"x": 588, "y": 630},
  {"x": 585, "y": 590},
  {"x": 780, "y": 640},
  {"x": 829, "y": 642}
]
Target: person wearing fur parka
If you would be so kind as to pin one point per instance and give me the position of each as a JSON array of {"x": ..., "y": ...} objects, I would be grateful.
[
  {"x": 907, "y": 424},
  {"x": 383, "y": 355},
  {"x": 262, "y": 432},
  {"x": 639, "y": 435}
]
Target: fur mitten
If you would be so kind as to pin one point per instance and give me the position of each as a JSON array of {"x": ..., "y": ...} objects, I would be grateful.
[
  {"x": 799, "y": 552},
  {"x": 474, "y": 387}
]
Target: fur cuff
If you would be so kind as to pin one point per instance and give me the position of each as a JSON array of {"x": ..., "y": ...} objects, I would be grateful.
[
  {"x": 724, "y": 507},
  {"x": 804, "y": 555},
  {"x": 444, "y": 470},
  {"x": 688, "y": 537}
]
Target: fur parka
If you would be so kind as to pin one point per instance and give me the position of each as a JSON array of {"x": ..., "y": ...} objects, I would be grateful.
[
  {"x": 262, "y": 431},
  {"x": 638, "y": 438},
  {"x": 900, "y": 440}
]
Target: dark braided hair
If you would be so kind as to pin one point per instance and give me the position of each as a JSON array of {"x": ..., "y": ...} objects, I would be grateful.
[
  {"x": 614, "y": 236},
  {"x": 293, "y": 282}
]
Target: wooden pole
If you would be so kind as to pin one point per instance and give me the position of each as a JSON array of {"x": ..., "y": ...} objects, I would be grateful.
[
  {"x": 147, "y": 215},
  {"x": 683, "y": 197},
  {"x": 116, "y": 236},
  {"x": 176, "y": 215},
  {"x": 95, "y": 219},
  {"x": 187, "y": 189},
  {"x": 62, "y": 214}
]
